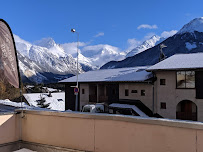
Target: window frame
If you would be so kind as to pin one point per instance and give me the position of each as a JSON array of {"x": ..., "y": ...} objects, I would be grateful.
[
  {"x": 162, "y": 81},
  {"x": 126, "y": 92},
  {"x": 185, "y": 79},
  {"x": 141, "y": 92},
  {"x": 161, "y": 104},
  {"x": 83, "y": 91},
  {"x": 134, "y": 91}
]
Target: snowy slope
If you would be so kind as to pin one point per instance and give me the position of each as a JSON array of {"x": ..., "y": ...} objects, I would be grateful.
[
  {"x": 154, "y": 40},
  {"x": 194, "y": 25},
  {"x": 52, "y": 47},
  {"x": 22, "y": 45},
  {"x": 46, "y": 57},
  {"x": 30, "y": 70}
]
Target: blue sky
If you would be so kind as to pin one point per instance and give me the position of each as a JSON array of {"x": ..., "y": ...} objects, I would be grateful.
[{"x": 111, "y": 22}]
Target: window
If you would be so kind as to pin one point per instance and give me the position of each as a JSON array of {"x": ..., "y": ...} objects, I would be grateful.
[
  {"x": 134, "y": 91},
  {"x": 162, "y": 81},
  {"x": 163, "y": 105},
  {"x": 126, "y": 92},
  {"x": 142, "y": 92},
  {"x": 114, "y": 91},
  {"x": 83, "y": 91},
  {"x": 185, "y": 79}
]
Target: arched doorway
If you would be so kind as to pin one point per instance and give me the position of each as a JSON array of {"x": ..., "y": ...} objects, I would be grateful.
[{"x": 186, "y": 110}]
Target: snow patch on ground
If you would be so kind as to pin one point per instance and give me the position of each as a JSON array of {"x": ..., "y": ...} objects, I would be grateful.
[
  {"x": 57, "y": 100},
  {"x": 11, "y": 103},
  {"x": 190, "y": 46}
]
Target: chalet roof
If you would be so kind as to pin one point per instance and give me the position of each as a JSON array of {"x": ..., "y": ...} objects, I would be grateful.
[
  {"x": 180, "y": 61},
  {"x": 137, "y": 74}
]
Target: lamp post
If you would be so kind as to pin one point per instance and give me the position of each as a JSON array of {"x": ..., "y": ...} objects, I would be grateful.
[{"x": 76, "y": 99}]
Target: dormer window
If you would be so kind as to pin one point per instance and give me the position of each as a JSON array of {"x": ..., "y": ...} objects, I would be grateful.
[{"x": 186, "y": 79}]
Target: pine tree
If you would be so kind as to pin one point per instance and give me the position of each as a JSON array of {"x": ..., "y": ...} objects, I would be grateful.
[{"x": 41, "y": 103}]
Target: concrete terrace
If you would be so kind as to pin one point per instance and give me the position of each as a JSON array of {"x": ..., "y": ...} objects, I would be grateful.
[{"x": 62, "y": 131}]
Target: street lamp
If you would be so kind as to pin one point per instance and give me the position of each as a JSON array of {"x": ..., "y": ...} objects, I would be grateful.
[{"x": 77, "y": 88}]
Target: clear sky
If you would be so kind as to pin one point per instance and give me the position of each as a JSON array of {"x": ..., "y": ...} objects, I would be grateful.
[{"x": 112, "y": 22}]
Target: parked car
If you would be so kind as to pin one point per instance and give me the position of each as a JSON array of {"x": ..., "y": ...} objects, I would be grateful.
[{"x": 94, "y": 108}]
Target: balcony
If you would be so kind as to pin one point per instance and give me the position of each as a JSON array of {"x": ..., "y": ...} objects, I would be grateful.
[{"x": 65, "y": 131}]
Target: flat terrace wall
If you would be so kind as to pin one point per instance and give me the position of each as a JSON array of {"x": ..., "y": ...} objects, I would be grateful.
[
  {"x": 9, "y": 128},
  {"x": 9, "y": 132},
  {"x": 111, "y": 133}
]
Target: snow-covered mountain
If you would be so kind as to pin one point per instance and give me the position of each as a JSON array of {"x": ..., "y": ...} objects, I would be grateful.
[
  {"x": 194, "y": 25},
  {"x": 46, "y": 57},
  {"x": 101, "y": 54},
  {"x": 49, "y": 57},
  {"x": 154, "y": 40},
  {"x": 52, "y": 47},
  {"x": 189, "y": 39}
]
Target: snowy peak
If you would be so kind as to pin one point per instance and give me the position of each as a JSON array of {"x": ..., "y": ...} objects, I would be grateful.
[
  {"x": 91, "y": 51},
  {"x": 46, "y": 42},
  {"x": 102, "y": 53},
  {"x": 194, "y": 25},
  {"x": 154, "y": 40},
  {"x": 22, "y": 45},
  {"x": 83, "y": 59},
  {"x": 52, "y": 47}
]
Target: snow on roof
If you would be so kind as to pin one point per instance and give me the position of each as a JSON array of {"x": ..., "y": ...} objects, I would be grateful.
[
  {"x": 180, "y": 61},
  {"x": 109, "y": 75},
  {"x": 127, "y": 106},
  {"x": 57, "y": 101}
]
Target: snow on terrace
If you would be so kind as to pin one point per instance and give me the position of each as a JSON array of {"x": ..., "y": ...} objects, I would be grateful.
[
  {"x": 180, "y": 61},
  {"x": 113, "y": 75},
  {"x": 57, "y": 101}
]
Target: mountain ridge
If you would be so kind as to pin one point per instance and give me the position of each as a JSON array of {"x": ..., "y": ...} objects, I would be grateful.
[{"x": 187, "y": 40}]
